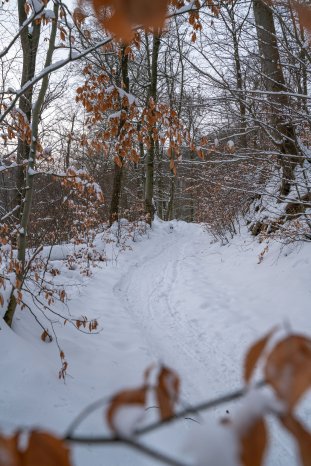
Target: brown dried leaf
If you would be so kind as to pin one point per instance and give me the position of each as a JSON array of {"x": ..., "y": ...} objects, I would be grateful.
[
  {"x": 62, "y": 34},
  {"x": 288, "y": 368},
  {"x": 44, "y": 335},
  {"x": 304, "y": 13},
  {"x": 79, "y": 16},
  {"x": 63, "y": 370},
  {"x": 126, "y": 397},
  {"x": 87, "y": 34},
  {"x": 254, "y": 444},
  {"x": 127, "y": 14},
  {"x": 8, "y": 452},
  {"x": 118, "y": 161},
  {"x": 46, "y": 450},
  {"x": 254, "y": 354},
  {"x": 62, "y": 295},
  {"x": 18, "y": 283},
  {"x": 167, "y": 391},
  {"x": 19, "y": 297},
  {"x": 302, "y": 436}
]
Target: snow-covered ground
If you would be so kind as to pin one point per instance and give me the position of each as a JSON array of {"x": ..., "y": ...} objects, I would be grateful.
[{"x": 174, "y": 297}]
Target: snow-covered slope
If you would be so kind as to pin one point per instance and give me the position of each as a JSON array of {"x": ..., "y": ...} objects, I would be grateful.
[{"x": 177, "y": 298}]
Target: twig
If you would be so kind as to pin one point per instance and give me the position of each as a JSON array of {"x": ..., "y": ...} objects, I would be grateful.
[
  {"x": 86, "y": 412},
  {"x": 31, "y": 259},
  {"x": 33, "y": 314}
]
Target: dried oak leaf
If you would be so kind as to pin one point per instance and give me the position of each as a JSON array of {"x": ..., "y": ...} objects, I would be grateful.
[
  {"x": 288, "y": 368},
  {"x": 167, "y": 391},
  {"x": 254, "y": 354},
  {"x": 45, "y": 450},
  {"x": 302, "y": 436},
  {"x": 254, "y": 443},
  {"x": 122, "y": 399}
]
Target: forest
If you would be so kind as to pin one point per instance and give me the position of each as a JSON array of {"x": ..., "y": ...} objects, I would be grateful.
[{"x": 155, "y": 230}]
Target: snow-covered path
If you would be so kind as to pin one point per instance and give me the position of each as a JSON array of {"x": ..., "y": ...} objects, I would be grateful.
[
  {"x": 180, "y": 311},
  {"x": 176, "y": 298}
]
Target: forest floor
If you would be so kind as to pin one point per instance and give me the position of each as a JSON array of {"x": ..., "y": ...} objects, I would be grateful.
[{"x": 174, "y": 297}]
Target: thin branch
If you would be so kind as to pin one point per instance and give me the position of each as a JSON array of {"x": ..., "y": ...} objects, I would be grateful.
[{"x": 155, "y": 425}]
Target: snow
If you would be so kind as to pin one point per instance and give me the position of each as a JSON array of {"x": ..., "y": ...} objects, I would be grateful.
[
  {"x": 131, "y": 98},
  {"x": 127, "y": 418},
  {"x": 115, "y": 115},
  {"x": 32, "y": 172},
  {"x": 74, "y": 54},
  {"x": 7, "y": 167},
  {"x": 185, "y": 8},
  {"x": 49, "y": 14},
  {"x": 207, "y": 445},
  {"x": 37, "y": 5},
  {"x": 173, "y": 296}
]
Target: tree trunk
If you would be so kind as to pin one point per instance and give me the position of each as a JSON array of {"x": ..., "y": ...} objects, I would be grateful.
[
  {"x": 160, "y": 210},
  {"x": 29, "y": 44},
  {"x": 118, "y": 169},
  {"x": 275, "y": 84},
  {"x": 170, "y": 208},
  {"x": 29, "y": 182},
  {"x": 69, "y": 142},
  {"x": 240, "y": 84},
  {"x": 149, "y": 187}
]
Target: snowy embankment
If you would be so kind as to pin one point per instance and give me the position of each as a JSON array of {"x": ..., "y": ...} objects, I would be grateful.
[{"x": 176, "y": 298}]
